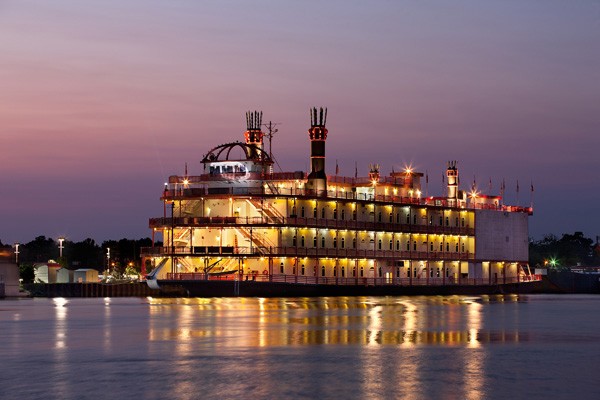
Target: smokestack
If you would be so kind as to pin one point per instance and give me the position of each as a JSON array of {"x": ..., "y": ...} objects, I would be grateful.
[
  {"x": 253, "y": 133},
  {"x": 317, "y": 179},
  {"x": 452, "y": 174}
]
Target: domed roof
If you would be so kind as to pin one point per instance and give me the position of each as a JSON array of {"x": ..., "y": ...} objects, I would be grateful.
[{"x": 246, "y": 152}]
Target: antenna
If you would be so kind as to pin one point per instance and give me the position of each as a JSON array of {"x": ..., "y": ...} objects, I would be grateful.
[{"x": 272, "y": 131}]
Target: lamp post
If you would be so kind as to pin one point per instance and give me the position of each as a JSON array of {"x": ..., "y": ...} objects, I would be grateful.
[
  {"x": 17, "y": 244},
  {"x": 60, "y": 246}
]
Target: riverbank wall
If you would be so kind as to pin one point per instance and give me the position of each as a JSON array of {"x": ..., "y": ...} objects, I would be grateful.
[{"x": 134, "y": 289}]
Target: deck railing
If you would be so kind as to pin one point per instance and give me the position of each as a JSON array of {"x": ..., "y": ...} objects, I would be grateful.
[
  {"x": 243, "y": 251},
  {"x": 353, "y": 281},
  {"x": 291, "y": 222}
]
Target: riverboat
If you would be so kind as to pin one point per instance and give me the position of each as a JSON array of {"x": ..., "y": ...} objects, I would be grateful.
[{"x": 240, "y": 228}]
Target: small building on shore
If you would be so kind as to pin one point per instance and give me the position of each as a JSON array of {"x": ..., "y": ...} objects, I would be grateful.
[
  {"x": 64, "y": 275},
  {"x": 85, "y": 275},
  {"x": 9, "y": 275},
  {"x": 46, "y": 272}
]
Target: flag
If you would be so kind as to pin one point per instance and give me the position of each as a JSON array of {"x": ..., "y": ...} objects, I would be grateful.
[
  {"x": 355, "y": 170},
  {"x": 337, "y": 168},
  {"x": 426, "y": 177},
  {"x": 532, "y": 186},
  {"x": 517, "y": 186},
  {"x": 443, "y": 178},
  {"x": 490, "y": 184},
  {"x": 474, "y": 185}
]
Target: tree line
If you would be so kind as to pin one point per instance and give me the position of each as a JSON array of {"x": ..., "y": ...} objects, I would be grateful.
[
  {"x": 567, "y": 251},
  {"x": 124, "y": 254}
]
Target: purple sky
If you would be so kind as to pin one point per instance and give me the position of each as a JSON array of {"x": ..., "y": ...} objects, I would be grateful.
[{"x": 101, "y": 101}]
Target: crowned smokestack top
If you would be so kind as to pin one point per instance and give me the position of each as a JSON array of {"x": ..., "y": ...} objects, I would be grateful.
[
  {"x": 318, "y": 120},
  {"x": 317, "y": 179},
  {"x": 253, "y": 120},
  {"x": 452, "y": 174}
]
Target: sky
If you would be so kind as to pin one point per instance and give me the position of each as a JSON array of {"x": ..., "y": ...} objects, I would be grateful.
[{"x": 101, "y": 101}]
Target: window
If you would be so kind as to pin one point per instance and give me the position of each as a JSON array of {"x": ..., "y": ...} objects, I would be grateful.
[
  {"x": 294, "y": 241},
  {"x": 441, "y": 246},
  {"x": 353, "y": 243},
  {"x": 323, "y": 241},
  {"x": 334, "y": 242},
  {"x": 391, "y": 218},
  {"x": 302, "y": 241},
  {"x": 334, "y": 271},
  {"x": 343, "y": 243},
  {"x": 293, "y": 210},
  {"x": 354, "y": 272},
  {"x": 315, "y": 212},
  {"x": 343, "y": 272},
  {"x": 354, "y": 214},
  {"x": 281, "y": 268},
  {"x": 408, "y": 218},
  {"x": 343, "y": 214},
  {"x": 303, "y": 269},
  {"x": 431, "y": 220},
  {"x": 323, "y": 212},
  {"x": 335, "y": 213},
  {"x": 447, "y": 246},
  {"x": 462, "y": 222},
  {"x": 415, "y": 245},
  {"x": 441, "y": 221},
  {"x": 456, "y": 247},
  {"x": 408, "y": 245},
  {"x": 322, "y": 270},
  {"x": 314, "y": 241},
  {"x": 362, "y": 271},
  {"x": 379, "y": 272},
  {"x": 456, "y": 222},
  {"x": 391, "y": 244},
  {"x": 462, "y": 247},
  {"x": 447, "y": 221},
  {"x": 379, "y": 217},
  {"x": 379, "y": 244},
  {"x": 415, "y": 219},
  {"x": 397, "y": 272},
  {"x": 397, "y": 245},
  {"x": 302, "y": 212},
  {"x": 431, "y": 272}
]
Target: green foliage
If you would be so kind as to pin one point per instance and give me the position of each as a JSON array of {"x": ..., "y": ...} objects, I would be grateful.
[
  {"x": 26, "y": 272},
  {"x": 569, "y": 250}
]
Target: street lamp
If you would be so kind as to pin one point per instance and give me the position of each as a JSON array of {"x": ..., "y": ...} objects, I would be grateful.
[
  {"x": 108, "y": 258},
  {"x": 17, "y": 244},
  {"x": 60, "y": 246}
]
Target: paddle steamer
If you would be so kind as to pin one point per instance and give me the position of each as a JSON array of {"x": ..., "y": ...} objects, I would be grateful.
[{"x": 240, "y": 228}]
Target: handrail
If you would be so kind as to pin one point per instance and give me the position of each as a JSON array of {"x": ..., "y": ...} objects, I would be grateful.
[
  {"x": 233, "y": 251},
  {"x": 167, "y": 222},
  {"x": 353, "y": 281}
]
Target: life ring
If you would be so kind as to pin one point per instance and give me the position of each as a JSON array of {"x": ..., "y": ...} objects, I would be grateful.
[{"x": 265, "y": 272}]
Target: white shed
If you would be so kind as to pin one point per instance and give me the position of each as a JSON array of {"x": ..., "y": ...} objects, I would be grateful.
[{"x": 64, "y": 275}]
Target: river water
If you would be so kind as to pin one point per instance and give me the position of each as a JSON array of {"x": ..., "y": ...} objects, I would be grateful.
[{"x": 484, "y": 347}]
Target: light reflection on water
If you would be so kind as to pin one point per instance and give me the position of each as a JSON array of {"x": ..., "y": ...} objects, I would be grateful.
[
  {"x": 484, "y": 347},
  {"x": 446, "y": 321}
]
